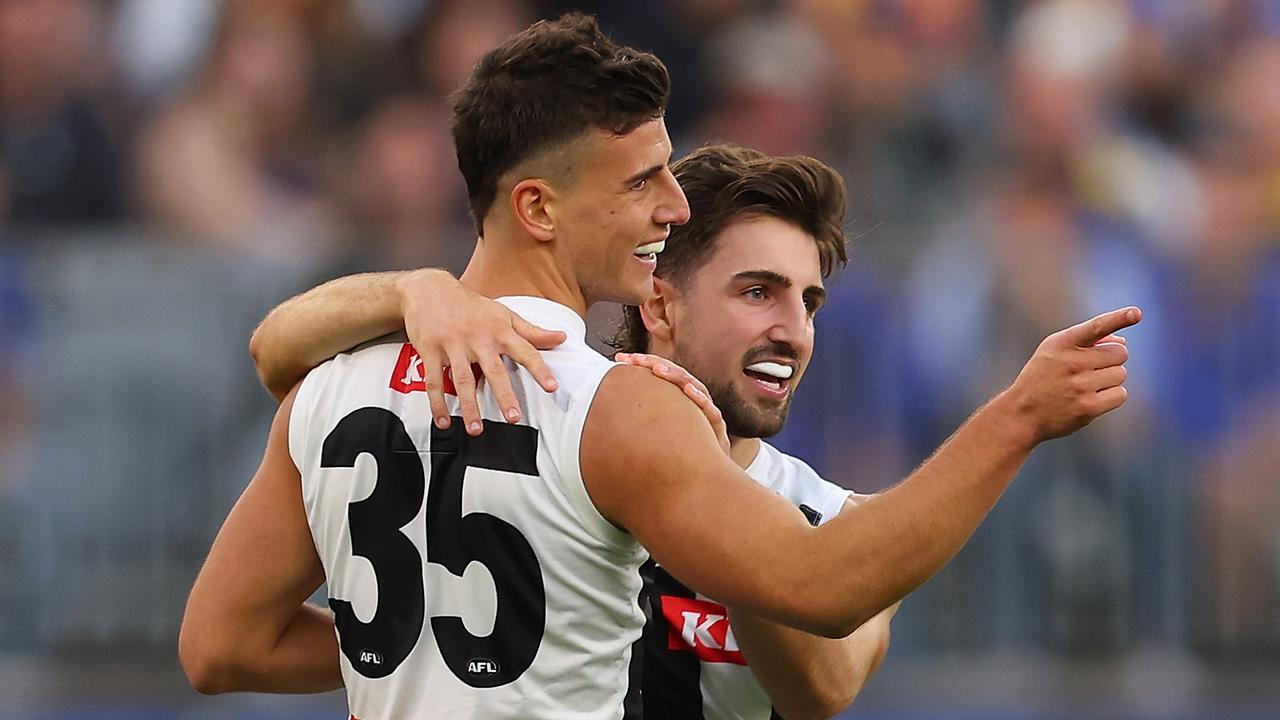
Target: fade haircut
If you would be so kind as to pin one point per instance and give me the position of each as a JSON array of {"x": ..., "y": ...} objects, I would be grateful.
[
  {"x": 545, "y": 85},
  {"x": 725, "y": 183}
]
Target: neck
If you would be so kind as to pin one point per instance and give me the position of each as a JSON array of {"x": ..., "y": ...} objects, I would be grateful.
[
  {"x": 501, "y": 266},
  {"x": 743, "y": 450}
]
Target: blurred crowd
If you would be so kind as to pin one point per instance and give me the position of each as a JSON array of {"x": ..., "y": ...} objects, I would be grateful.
[{"x": 1013, "y": 167}]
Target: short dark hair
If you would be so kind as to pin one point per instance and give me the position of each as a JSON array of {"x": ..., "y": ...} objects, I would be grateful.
[
  {"x": 545, "y": 85},
  {"x": 725, "y": 183}
]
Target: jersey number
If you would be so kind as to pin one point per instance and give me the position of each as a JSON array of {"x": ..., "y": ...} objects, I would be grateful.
[{"x": 376, "y": 648}]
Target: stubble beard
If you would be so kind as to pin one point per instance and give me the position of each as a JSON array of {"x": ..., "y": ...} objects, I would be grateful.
[
  {"x": 745, "y": 419},
  {"x": 742, "y": 418}
]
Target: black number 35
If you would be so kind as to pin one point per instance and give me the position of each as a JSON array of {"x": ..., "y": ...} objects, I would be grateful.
[{"x": 376, "y": 648}]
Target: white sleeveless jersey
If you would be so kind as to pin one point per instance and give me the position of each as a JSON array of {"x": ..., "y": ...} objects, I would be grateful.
[
  {"x": 470, "y": 577},
  {"x": 692, "y": 665}
]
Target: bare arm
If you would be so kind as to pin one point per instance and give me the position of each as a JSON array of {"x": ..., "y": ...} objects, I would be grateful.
[
  {"x": 831, "y": 579},
  {"x": 246, "y": 625},
  {"x": 826, "y": 580},
  {"x": 457, "y": 327},
  {"x": 308, "y": 329},
  {"x": 807, "y": 676}
]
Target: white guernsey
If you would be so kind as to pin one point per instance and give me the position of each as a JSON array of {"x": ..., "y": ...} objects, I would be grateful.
[{"x": 470, "y": 577}]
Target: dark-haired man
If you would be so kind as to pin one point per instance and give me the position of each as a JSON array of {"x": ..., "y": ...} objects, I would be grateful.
[
  {"x": 735, "y": 295},
  {"x": 765, "y": 233},
  {"x": 556, "y": 507}
]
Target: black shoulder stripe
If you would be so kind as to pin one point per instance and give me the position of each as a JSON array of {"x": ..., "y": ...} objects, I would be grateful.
[{"x": 813, "y": 516}]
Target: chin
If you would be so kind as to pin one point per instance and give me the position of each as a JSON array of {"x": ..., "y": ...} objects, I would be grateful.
[
  {"x": 634, "y": 293},
  {"x": 759, "y": 430},
  {"x": 623, "y": 290},
  {"x": 769, "y": 428},
  {"x": 754, "y": 423}
]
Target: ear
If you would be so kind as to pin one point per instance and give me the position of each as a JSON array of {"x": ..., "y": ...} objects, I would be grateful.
[
  {"x": 660, "y": 309},
  {"x": 531, "y": 199}
]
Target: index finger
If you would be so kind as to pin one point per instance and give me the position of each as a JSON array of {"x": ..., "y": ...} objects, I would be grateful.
[{"x": 1089, "y": 332}]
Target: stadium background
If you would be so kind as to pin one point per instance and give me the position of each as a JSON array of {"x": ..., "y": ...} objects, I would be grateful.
[{"x": 169, "y": 169}]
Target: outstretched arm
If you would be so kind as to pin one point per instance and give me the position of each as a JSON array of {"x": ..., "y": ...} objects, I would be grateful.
[
  {"x": 831, "y": 579},
  {"x": 805, "y": 675},
  {"x": 247, "y": 626},
  {"x": 453, "y": 327}
]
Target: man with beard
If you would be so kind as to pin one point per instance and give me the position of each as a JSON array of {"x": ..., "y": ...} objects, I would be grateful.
[
  {"x": 736, "y": 291},
  {"x": 735, "y": 295}
]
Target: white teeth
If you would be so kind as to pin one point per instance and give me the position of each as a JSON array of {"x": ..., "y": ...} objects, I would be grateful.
[
  {"x": 772, "y": 369},
  {"x": 652, "y": 248}
]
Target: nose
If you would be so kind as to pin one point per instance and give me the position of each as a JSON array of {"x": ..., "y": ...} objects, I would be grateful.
[
  {"x": 793, "y": 325},
  {"x": 674, "y": 208}
]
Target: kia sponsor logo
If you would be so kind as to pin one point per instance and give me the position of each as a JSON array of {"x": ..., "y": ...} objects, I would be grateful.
[
  {"x": 409, "y": 376},
  {"x": 701, "y": 627}
]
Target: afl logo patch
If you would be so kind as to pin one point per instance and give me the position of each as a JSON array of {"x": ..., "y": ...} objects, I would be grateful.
[
  {"x": 370, "y": 657},
  {"x": 483, "y": 667}
]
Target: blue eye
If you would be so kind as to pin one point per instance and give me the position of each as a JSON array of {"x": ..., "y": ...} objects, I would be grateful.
[{"x": 755, "y": 293}]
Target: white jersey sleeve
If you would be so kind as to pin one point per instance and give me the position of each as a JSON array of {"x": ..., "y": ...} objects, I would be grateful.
[
  {"x": 792, "y": 478},
  {"x": 470, "y": 577}
]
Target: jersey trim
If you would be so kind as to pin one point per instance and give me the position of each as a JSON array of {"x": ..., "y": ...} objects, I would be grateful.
[
  {"x": 300, "y": 414},
  {"x": 571, "y": 466}
]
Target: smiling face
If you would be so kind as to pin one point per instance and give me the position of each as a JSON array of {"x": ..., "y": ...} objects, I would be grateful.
[
  {"x": 744, "y": 322},
  {"x": 616, "y": 212}
]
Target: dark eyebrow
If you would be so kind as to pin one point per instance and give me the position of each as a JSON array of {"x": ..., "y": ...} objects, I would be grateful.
[
  {"x": 643, "y": 175},
  {"x": 649, "y": 172},
  {"x": 816, "y": 292},
  {"x": 768, "y": 276}
]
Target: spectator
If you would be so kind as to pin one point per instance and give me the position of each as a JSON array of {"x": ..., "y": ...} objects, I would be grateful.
[
  {"x": 404, "y": 194},
  {"x": 59, "y": 160},
  {"x": 236, "y": 162}
]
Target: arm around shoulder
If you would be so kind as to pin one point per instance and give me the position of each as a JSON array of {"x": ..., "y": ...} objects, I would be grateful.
[
  {"x": 308, "y": 329},
  {"x": 652, "y": 466}
]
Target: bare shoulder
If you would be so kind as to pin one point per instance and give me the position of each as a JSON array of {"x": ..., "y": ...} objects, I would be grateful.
[
  {"x": 641, "y": 434},
  {"x": 633, "y": 410},
  {"x": 630, "y": 395}
]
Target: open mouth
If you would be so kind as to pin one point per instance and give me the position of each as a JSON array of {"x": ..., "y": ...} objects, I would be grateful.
[
  {"x": 772, "y": 377},
  {"x": 649, "y": 251}
]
